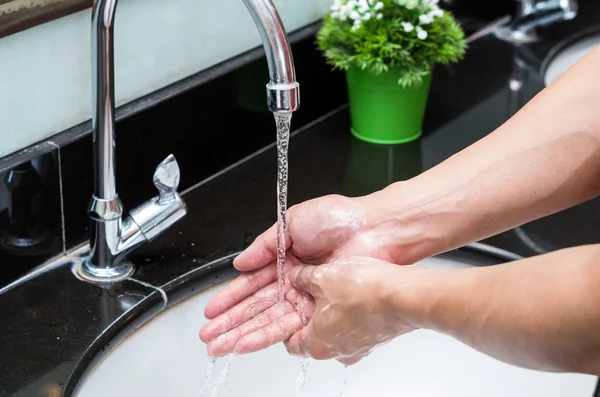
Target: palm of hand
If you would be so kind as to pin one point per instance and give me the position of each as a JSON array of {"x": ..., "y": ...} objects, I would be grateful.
[{"x": 254, "y": 322}]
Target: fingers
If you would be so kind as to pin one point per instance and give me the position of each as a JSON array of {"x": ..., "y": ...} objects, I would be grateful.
[
  {"x": 243, "y": 287},
  {"x": 241, "y": 313},
  {"x": 239, "y": 289},
  {"x": 302, "y": 278},
  {"x": 274, "y": 325},
  {"x": 303, "y": 304},
  {"x": 226, "y": 343},
  {"x": 304, "y": 344},
  {"x": 264, "y": 249},
  {"x": 295, "y": 344},
  {"x": 273, "y": 333}
]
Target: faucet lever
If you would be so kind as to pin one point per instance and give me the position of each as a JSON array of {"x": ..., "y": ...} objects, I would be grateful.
[{"x": 166, "y": 179}]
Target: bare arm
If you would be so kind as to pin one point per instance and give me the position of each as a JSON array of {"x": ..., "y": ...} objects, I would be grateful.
[
  {"x": 543, "y": 160},
  {"x": 541, "y": 313}
]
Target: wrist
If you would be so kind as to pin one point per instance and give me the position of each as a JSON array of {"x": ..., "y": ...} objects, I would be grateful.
[
  {"x": 411, "y": 222},
  {"x": 398, "y": 296},
  {"x": 431, "y": 299}
]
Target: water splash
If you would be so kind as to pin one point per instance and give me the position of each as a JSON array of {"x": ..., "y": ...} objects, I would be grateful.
[
  {"x": 282, "y": 121},
  {"x": 223, "y": 378},
  {"x": 344, "y": 392},
  {"x": 210, "y": 374},
  {"x": 301, "y": 380}
]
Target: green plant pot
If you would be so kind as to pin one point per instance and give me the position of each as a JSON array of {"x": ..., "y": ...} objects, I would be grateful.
[{"x": 382, "y": 111}]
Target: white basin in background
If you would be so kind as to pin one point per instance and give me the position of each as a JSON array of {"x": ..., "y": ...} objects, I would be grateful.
[
  {"x": 165, "y": 358},
  {"x": 568, "y": 56}
]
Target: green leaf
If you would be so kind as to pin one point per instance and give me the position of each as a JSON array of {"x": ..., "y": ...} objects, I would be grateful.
[{"x": 383, "y": 43}]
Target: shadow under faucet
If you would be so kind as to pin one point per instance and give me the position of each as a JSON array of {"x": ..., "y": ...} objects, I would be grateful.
[{"x": 111, "y": 237}]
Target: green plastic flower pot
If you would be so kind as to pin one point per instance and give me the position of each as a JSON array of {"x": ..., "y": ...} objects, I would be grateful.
[{"x": 381, "y": 110}]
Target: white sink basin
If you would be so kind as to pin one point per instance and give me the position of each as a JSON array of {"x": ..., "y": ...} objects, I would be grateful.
[
  {"x": 568, "y": 55},
  {"x": 165, "y": 358}
]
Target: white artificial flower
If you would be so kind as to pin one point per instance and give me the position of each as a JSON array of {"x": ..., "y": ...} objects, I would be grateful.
[
  {"x": 339, "y": 10},
  {"x": 437, "y": 12},
  {"x": 429, "y": 4},
  {"x": 410, "y": 4},
  {"x": 421, "y": 34},
  {"x": 358, "y": 11},
  {"x": 363, "y": 6},
  {"x": 408, "y": 27},
  {"x": 425, "y": 19}
]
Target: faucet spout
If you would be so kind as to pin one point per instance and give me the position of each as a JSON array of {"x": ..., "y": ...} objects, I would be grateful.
[
  {"x": 111, "y": 236},
  {"x": 283, "y": 91}
]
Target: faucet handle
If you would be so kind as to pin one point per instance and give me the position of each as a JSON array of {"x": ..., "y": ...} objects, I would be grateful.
[{"x": 166, "y": 179}]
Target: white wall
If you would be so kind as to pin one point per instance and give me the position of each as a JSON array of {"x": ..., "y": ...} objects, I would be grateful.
[{"x": 45, "y": 84}]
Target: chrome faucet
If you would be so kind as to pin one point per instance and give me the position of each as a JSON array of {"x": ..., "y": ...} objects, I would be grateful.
[
  {"x": 111, "y": 237},
  {"x": 532, "y": 14}
]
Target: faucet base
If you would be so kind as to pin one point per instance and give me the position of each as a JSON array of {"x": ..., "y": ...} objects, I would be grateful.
[{"x": 88, "y": 272}]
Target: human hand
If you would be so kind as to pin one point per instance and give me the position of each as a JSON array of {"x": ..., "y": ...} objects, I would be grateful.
[
  {"x": 260, "y": 320},
  {"x": 319, "y": 231},
  {"x": 358, "y": 308}
]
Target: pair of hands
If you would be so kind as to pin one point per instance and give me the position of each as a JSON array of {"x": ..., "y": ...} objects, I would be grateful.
[{"x": 337, "y": 287}]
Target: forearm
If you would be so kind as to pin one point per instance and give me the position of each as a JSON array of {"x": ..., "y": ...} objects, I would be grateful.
[
  {"x": 541, "y": 313},
  {"x": 543, "y": 160}
]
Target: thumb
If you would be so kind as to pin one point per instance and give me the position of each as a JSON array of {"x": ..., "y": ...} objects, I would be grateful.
[
  {"x": 301, "y": 277},
  {"x": 264, "y": 248},
  {"x": 296, "y": 345}
]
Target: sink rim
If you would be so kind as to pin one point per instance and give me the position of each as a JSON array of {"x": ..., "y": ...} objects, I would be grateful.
[
  {"x": 201, "y": 279},
  {"x": 177, "y": 290},
  {"x": 563, "y": 45}
]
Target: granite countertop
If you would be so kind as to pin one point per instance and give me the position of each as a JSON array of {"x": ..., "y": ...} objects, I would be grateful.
[
  {"x": 50, "y": 321},
  {"x": 54, "y": 325}
]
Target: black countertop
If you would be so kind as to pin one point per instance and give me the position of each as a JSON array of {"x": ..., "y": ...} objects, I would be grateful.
[{"x": 53, "y": 325}]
